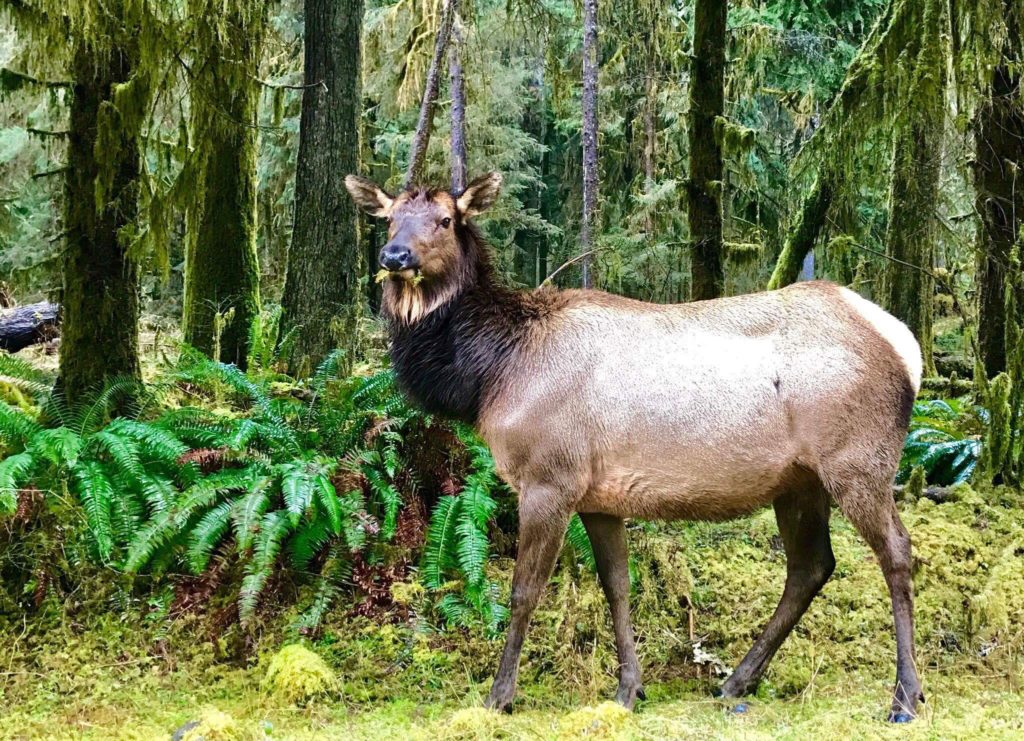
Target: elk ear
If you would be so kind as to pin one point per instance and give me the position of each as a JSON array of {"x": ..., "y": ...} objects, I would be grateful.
[
  {"x": 368, "y": 196},
  {"x": 479, "y": 195}
]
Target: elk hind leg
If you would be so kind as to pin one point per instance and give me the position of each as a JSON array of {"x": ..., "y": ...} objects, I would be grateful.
[
  {"x": 868, "y": 503},
  {"x": 802, "y": 516}
]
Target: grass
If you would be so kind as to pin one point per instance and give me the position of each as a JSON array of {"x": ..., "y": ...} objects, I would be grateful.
[{"x": 107, "y": 663}]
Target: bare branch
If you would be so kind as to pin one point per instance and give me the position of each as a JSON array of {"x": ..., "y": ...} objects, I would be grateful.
[
  {"x": 48, "y": 173},
  {"x": 12, "y": 80},
  {"x": 48, "y": 133},
  {"x": 458, "y": 88},
  {"x": 420, "y": 140}
]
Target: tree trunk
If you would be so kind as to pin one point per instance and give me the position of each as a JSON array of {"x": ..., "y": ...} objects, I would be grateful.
[
  {"x": 425, "y": 123},
  {"x": 458, "y": 89},
  {"x": 998, "y": 130},
  {"x": 908, "y": 288},
  {"x": 704, "y": 191},
  {"x": 650, "y": 140},
  {"x": 589, "y": 138},
  {"x": 325, "y": 304},
  {"x": 100, "y": 336},
  {"x": 221, "y": 267},
  {"x": 800, "y": 241}
]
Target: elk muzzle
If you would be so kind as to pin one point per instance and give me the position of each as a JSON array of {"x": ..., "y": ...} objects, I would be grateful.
[{"x": 397, "y": 258}]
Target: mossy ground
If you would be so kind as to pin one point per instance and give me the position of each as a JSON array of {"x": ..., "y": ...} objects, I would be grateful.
[{"x": 105, "y": 670}]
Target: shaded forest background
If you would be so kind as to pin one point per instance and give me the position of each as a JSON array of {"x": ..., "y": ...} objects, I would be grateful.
[{"x": 198, "y": 423}]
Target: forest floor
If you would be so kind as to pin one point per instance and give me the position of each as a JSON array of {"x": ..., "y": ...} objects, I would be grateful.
[
  {"x": 123, "y": 707},
  {"x": 104, "y": 664}
]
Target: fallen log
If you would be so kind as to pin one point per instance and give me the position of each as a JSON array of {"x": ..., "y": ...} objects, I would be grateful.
[
  {"x": 938, "y": 494},
  {"x": 23, "y": 326}
]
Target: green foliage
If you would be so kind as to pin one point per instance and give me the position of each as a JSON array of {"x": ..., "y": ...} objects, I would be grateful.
[
  {"x": 944, "y": 441},
  {"x": 113, "y": 468},
  {"x": 458, "y": 544},
  {"x": 295, "y": 477}
]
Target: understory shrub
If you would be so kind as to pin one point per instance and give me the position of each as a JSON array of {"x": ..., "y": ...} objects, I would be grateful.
[{"x": 252, "y": 468}]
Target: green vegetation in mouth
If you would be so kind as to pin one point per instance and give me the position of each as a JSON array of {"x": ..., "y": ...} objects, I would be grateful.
[{"x": 383, "y": 274}]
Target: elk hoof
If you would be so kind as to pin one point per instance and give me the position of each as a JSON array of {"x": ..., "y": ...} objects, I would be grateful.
[
  {"x": 629, "y": 694},
  {"x": 499, "y": 701},
  {"x": 734, "y": 688}
]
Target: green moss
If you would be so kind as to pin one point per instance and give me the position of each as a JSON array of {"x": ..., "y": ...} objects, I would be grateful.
[
  {"x": 608, "y": 720},
  {"x": 999, "y": 607},
  {"x": 296, "y": 676},
  {"x": 115, "y": 675},
  {"x": 215, "y": 725}
]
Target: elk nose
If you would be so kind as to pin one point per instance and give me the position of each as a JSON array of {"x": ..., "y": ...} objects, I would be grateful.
[{"x": 395, "y": 257}]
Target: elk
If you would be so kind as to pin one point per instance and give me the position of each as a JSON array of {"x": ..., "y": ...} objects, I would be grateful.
[{"x": 616, "y": 408}]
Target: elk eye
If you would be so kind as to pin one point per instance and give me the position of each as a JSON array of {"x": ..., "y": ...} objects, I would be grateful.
[{"x": 446, "y": 222}]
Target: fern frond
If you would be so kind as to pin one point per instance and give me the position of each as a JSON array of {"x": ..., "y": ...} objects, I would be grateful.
[
  {"x": 328, "y": 370},
  {"x": 155, "y": 442},
  {"x": 13, "y": 470},
  {"x": 308, "y": 541},
  {"x": 124, "y": 452},
  {"x": 17, "y": 372},
  {"x": 336, "y": 569},
  {"x": 473, "y": 549},
  {"x": 95, "y": 411},
  {"x": 171, "y": 523},
  {"x": 275, "y": 527},
  {"x": 158, "y": 491},
  {"x": 576, "y": 535},
  {"x": 16, "y": 427},
  {"x": 438, "y": 548},
  {"x": 206, "y": 536},
  {"x": 298, "y": 489},
  {"x": 60, "y": 446},
  {"x": 249, "y": 510},
  {"x": 328, "y": 500},
  {"x": 96, "y": 494},
  {"x": 351, "y": 506}
]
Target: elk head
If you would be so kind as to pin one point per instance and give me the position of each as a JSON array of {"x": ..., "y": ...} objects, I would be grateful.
[{"x": 424, "y": 262}]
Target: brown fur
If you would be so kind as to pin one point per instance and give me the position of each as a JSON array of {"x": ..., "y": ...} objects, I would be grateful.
[{"x": 615, "y": 408}]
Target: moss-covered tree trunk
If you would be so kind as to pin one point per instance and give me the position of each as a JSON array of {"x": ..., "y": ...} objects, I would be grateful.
[
  {"x": 998, "y": 129},
  {"x": 908, "y": 288},
  {"x": 704, "y": 192},
  {"x": 99, "y": 338},
  {"x": 803, "y": 234},
  {"x": 221, "y": 267},
  {"x": 910, "y": 239},
  {"x": 322, "y": 293}
]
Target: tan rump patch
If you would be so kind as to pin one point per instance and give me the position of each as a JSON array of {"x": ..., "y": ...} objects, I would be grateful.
[{"x": 895, "y": 332}]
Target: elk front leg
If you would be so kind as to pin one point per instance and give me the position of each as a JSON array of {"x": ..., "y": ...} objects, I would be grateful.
[
  {"x": 540, "y": 537},
  {"x": 608, "y": 538}
]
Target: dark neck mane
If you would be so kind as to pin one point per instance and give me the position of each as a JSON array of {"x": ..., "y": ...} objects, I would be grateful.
[{"x": 451, "y": 360}]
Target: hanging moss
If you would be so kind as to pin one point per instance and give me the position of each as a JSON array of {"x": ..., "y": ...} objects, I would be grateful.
[
  {"x": 733, "y": 138},
  {"x": 743, "y": 253}
]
